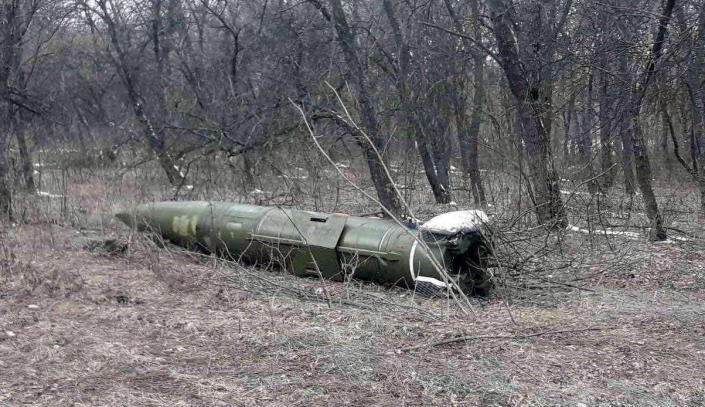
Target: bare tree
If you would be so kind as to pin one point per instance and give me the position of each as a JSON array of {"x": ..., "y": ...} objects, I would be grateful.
[
  {"x": 429, "y": 126},
  {"x": 696, "y": 92},
  {"x": 373, "y": 147},
  {"x": 525, "y": 49},
  {"x": 15, "y": 17},
  {"x": 114, "y": 15},
  {"x": 641, "y": 155},
  {"x": 469, "y": 134}
]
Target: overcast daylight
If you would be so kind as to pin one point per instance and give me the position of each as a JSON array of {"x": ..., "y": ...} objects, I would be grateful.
[{"x": 352, "y": 203}]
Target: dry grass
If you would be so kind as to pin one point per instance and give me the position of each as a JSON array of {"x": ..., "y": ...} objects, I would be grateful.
[{"x": 161, "y": 327}]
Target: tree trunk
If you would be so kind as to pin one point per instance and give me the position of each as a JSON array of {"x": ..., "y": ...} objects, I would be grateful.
[
  {"x": 468, "y": 137},
  {"x": 439, "y": 185},
  {"x": 568, "y": 128},
  {"x": 606, "y": 131},
  {"x": 472, "y": 158},
  {"x": 5, "y": 190},
  {"x": 122, "y": 65},
  {"x": 26, "y": 158},
  {"x": 664, "y": 135},
  {"x": 430, "y": 144},
  {"x": 586, "y": 122},
  {"x": 441, "y": 158},
  {"x": 528, "y": 90},
  {"x": 545, "y": 183},
  {"x": 383, "y": 185},
  {"x": 643, "y": 176},
  {"x": 641, "y": 156},
  {"x": 696, "y": 93},
  {"x": 625, "y": 134},
  {"x": 699, "y": 99},
  {"x": 173, "y": 173}
]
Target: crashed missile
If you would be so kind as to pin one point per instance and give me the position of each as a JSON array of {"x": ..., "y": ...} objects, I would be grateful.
[{"x": 453, "y": 245}]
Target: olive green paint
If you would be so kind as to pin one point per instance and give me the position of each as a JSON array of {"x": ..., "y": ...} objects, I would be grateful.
[{"x": 310, "y": 243}]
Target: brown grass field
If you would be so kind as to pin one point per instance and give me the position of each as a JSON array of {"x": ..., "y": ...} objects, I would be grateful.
[{"x": 595, "y": 320}]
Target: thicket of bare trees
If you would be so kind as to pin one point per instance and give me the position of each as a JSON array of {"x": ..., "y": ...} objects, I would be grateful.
[{"x": 547, "y": 86}]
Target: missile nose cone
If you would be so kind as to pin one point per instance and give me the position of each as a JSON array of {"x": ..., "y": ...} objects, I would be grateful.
[{"x": 126, "y": 218}]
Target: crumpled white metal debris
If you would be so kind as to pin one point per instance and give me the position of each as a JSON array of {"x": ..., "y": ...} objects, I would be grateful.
[{"x": 454, "y": 222}]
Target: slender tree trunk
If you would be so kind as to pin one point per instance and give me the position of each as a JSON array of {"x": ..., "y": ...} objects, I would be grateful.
[
  {"x": 122, "y": 65},
  {"x": 468, "y": 137},
  {"x": 586, "y": 121},
  {"x": 173, "y": 173},
  {"x": 5, "y": 189},
  {"x": 568, "y": 128},
  {"x": 545, "y": 184},
  {"x": 472, "y": 157},
  {"x": 530, "y": 109},
  {"x": 383, "y": 185},
  {"x": 624, "y": 126},
  {"x": 440, "y": 184},
  {"x": 664, "y": 135},
  {"x": 643, "y": 177},
  {"x": 625, "y": 134},
  {"x": 606, "y": 132},
  {"x": 441, "y": 159},
  {"x": 26, "y": 158},
  {"x": 641, "y": 155},
  {"x": 696, "y": 93},
  {"x": 430, "y": 144}
]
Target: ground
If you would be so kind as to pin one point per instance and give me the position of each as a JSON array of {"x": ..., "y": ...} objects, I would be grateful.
[
  {"x": 81, "y": 325},
  {"x": 614, "y": 321}
]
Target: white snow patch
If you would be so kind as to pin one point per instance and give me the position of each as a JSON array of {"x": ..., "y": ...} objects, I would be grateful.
[
  {"x": 451, "y": 223},
  {"x": 50, "y": 195},
  {"x": 674, "y": 239},
  {"x": 631, "y": 235},
  {"x": 567, "y": 192},
  {"x": 181, "y": 173},
  {"x": 257, "y": 191},
  {"x": 294, "y": 176}
]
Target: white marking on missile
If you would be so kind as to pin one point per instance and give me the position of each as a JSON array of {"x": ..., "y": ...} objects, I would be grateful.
[
  {"x": 425, "y": 279},
  {"x": 194, "y": 223},
  {"x": 437, "y": 283},
  {"x": 180, "y": 225},
  {"x": 411, "y": 259},
  {"x": 384, "y": 236},
  {"x": 261, "y": 221}
]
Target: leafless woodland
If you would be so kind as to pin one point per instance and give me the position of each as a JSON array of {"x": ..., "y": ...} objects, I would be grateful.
[{"x": 579, "y": 126}]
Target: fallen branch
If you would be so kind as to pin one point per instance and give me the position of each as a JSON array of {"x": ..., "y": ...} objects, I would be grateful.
[{"x": 482, "y": 337}]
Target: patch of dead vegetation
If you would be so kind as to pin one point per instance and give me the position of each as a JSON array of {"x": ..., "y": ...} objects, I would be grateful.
[{"x": 158, "y": 326}]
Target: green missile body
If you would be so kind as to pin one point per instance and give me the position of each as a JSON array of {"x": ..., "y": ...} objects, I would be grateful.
[{"x": 332, "y": 246}]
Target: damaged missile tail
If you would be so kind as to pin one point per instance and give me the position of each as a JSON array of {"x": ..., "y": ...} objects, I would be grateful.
[{"x": 334, "y": 246}]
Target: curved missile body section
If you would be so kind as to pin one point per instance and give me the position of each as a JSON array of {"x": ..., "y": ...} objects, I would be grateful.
[{"x": 333, "y": 246}]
